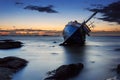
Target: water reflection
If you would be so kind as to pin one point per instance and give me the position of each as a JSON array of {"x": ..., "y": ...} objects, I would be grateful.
[
  {"x": 92, "y": 64},
  {"x": 74, "y": 54}
]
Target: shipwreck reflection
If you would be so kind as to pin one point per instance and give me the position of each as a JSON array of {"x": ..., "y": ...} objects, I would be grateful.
[{"x": 74, "y": 54}]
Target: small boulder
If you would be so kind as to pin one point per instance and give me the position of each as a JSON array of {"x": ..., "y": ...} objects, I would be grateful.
[
  {"x": 117, "y": 49},
  {"x": 65, "y": 72},
  {"x": 14, "y": 63},
  {"x": 118, "y": 68},
  {"x": 10, "y": 44},
  {"x": 9, "y": 66},
  {"x": 54, "y": 42}
]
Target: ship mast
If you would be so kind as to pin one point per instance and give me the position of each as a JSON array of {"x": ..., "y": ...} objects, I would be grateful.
[{"x": 90, "y": 17}]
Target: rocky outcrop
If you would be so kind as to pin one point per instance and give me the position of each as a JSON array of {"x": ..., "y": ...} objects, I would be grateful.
[
  {"x": 65, "y": 72},
  {"x": 10, "y": 44},
  {"x": 9, "y": 66}
]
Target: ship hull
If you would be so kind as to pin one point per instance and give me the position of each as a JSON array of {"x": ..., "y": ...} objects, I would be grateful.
[{"x": 74, "y": 35}]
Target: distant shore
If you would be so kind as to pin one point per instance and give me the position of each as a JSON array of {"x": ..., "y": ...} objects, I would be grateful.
[
  {"x": 104, "y": 33},
  {"x": 91, "y": 34},
  {"x": 27, "y": 32}
]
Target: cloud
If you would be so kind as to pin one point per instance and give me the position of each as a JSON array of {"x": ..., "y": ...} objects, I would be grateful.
[
  {"x": 110, "y": 13},
  {"x": 47, "y": 9},
  {"x": 19, "y": 3}
]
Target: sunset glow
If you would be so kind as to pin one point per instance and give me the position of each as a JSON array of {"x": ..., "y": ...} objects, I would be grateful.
[{"x": 14, "y": 16}]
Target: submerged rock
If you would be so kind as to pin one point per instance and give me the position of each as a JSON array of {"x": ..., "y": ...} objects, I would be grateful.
[
  {"x": 54, "y": 42},
  {"x": 10, "y": 44},
  {"x": 65, "y": 72},
  {"x": 117, "y": 49},
  {"x": 118, "y": 68},
  {"x": 54, "y": 53},
  {"x": 10, "y": 65}
]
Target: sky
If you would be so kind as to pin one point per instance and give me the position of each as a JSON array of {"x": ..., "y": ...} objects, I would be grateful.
[{"x": 50, "y": 14}]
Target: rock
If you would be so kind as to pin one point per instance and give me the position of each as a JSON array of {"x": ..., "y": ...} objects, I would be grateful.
[
  {"x": 10, "y": 44},
  {"x": 54, "y": 42},
  {"x": 52, "y": 46},
  {"x": 6, "y": 73},
  {"x": 117, "y": 49},
  {"x": 118, "y": 68},
  {"x": 54, "y": 53},
  {"x": 12, "y": 63},
  {"x": 65, "y": 72},
  {"x": 9, "y": 66},
  {"x": 92, "y": 61}
]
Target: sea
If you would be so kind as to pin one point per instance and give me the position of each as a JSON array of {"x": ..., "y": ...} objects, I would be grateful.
[{"x": 100, "y": 56}]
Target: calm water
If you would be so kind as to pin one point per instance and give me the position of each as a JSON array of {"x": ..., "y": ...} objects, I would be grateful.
[{"x": 98, "y": 55}]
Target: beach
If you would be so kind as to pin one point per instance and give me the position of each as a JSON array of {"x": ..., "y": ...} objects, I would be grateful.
[{"x": 100, "y": 56}]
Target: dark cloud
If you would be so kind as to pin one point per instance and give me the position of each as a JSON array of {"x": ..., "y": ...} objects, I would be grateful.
[
  {"x": 19, "y": 3},
  {"x": 47, "y": 9},
  {"x": 110, "y": 13}
]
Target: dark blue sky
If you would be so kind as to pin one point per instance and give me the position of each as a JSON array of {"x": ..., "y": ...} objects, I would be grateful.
[{"x": 12, "y": 13}]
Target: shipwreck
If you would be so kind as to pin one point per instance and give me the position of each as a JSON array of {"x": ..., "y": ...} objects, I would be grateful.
[{"x": 75, "y": 33}]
